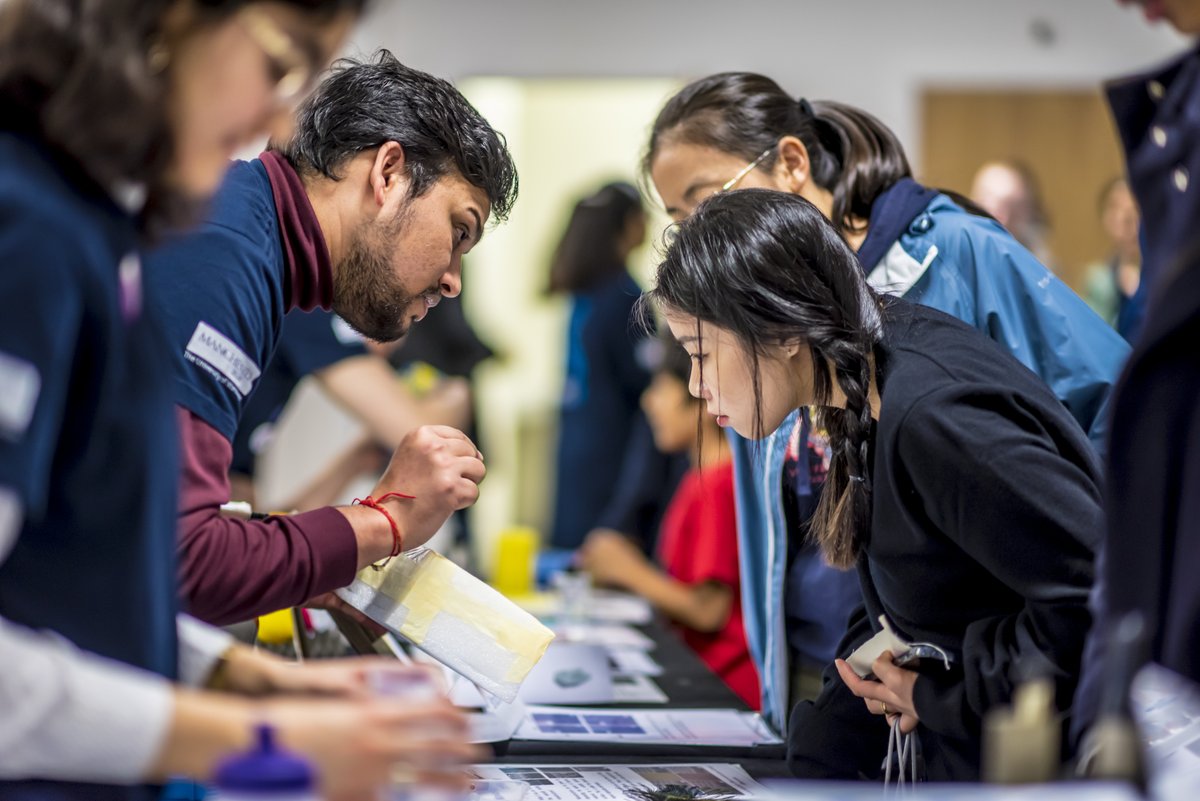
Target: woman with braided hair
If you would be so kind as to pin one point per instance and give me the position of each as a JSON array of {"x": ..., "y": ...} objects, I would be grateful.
[
  {"x": 742, "y": 130},
  {"x": 959, "y": 486}
]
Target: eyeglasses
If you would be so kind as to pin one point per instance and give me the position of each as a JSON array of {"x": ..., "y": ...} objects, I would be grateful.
[
  {"x": 732, "y": 182},
  {"x": 292, "y": 69}
]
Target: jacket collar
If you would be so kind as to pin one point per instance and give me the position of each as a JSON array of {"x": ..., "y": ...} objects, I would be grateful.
[{"x": 891, "y": 214}]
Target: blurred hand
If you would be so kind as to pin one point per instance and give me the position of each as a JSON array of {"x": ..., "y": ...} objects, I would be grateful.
[
  {"x": 441, "y": 467},
  {"x": 355, "y": 745},
  {"x": 450, "y": 402},
  {"x": 349, "y": 678},
  {"x": 611, "y": 557}
]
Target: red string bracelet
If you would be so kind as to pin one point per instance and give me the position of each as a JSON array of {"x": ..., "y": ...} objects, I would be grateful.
[{"x": 397, "y": 540}]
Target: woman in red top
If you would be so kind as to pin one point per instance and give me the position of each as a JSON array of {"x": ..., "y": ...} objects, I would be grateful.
[{"x": 697, "y": 585}]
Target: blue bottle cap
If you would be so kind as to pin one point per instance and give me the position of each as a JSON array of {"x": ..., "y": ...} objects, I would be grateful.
[{"x": 265, "y": 769}]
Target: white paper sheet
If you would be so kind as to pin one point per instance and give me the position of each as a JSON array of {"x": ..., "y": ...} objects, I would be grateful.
[
  {"x": 787, "y": 790},
  {"x": 637, "y": 690},
  {"x": 611, "y": 606},
  {"x": 719, "y": 727},
  {"x": 497, "y": 724},
  {"x": 610, "y": 635},
  {"x": 613, "y": 782},
  {"x": 1167, "y": 707},
  {"x": 570, "y": 674},
  {"x": 633, "y": 662},
  {"x": 602, "y": 606}
]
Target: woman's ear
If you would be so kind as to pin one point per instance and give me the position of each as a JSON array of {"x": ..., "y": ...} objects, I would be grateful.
[{"x": 792, "y": 168}]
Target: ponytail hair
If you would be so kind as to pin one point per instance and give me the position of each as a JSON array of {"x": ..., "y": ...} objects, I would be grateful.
[
  {"x": 852, "y": 154},
  {"x": 587, "y": 255},
  {"x": 769, "y": 268}
]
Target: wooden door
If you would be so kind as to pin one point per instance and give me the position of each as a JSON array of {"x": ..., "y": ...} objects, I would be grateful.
[{"x": 1066, "y": 138}]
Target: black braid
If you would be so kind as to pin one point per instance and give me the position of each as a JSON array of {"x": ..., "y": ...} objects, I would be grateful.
[{"x": 842, "y": 520}]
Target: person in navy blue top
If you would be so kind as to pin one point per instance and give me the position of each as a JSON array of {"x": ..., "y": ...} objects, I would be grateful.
[
  {"x": 91, "y": 641},
  {"x": 356, "y": 374},
  {"x": 604, "y": 378},
  {"x": 367, "y": 210}
]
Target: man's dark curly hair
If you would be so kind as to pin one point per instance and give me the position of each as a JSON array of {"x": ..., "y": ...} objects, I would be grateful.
[{"x": 364, "y": 104}]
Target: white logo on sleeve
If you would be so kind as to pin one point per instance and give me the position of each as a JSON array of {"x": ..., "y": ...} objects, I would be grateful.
[
  {"x": 216, "y": 353},
  {"x": 20, "y": 383}
]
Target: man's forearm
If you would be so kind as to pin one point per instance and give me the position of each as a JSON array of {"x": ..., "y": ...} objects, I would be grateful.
[{"x": 233, "y": 570}]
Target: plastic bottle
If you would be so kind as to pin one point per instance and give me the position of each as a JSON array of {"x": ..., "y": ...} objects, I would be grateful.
[{"x": 265, "y": 774}]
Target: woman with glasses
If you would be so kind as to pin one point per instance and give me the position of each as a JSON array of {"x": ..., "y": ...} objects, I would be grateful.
[
  {"x": 736, "y": 130},
  {"x": 960, "y": 488},
  {"x": 116, "y": 118}
]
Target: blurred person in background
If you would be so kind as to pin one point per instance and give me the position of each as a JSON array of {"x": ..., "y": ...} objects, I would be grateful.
[
  {"x": 354, "y": 372},
  {"x": 1112, "y": 284},
  {"x": 1009, "y": 191},
  {"x": 604, "y": 378},
  {"x": 695, "y": 580},
  {"x": 117, "y": 118}
]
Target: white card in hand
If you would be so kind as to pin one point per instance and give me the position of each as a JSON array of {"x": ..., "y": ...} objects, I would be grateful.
[{"x": 864, "y": 656}]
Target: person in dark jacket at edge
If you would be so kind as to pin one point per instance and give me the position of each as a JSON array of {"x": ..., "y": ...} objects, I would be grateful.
[
  {"x": 369, "y": 209},
  {"x": 965, "y": 494},
  {"x": 1152, "y": 544}
]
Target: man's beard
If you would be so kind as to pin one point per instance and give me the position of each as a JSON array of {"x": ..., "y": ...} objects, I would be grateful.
[{"x": 367, "y": 294}]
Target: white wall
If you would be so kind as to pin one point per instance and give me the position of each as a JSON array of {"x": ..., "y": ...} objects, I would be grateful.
[{"x": 874, "y": 53}]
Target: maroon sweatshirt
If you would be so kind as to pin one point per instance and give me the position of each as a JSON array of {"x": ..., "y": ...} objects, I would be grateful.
[{"x": 231, "y": 569}]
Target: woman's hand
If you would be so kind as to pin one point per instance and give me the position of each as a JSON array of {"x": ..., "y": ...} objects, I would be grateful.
[
  {"x": 890, "y": 696},
  {"x": 611, "y": 558},
  {"x": 250, "y": 672},
  {"x": 358, "y": 746}
]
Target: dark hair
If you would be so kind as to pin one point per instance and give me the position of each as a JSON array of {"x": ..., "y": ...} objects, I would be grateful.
[
  {"x": 769, "y": 268},
  {"x": 852, "y": 154},
  {"x": 78, "y": 75},
  {"x": 365, "y": 104},
  {"x": 588, "y": 253}
]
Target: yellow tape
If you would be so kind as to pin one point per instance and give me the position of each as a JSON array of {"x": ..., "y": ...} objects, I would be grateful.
[{"x": 433, "y": 585}]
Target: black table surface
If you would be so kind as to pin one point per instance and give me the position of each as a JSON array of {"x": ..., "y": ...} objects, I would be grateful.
[{"x": 688, "y": 684}]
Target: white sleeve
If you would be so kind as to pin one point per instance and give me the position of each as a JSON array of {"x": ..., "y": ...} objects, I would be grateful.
[
  {"x": 200, "y": 646},
  {"x": 74, "y": 716},
  {"x": 70, "y": 715}
]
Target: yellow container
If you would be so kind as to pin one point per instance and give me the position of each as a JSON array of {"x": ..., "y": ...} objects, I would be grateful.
[
  {"x": 276, "y": 628},
  {"x": 516, "y": 557}
]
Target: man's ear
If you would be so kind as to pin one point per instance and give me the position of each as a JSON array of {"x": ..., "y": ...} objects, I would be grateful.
[{"x": 388, "y": 174}]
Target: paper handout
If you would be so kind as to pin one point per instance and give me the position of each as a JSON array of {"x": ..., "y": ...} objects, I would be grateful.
[
  {"x": 717, "y": 727},
  {"x": 570, "y": 673},
  {"x": 454, "y": 617},
  {"x": 614, "y": 782}
]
